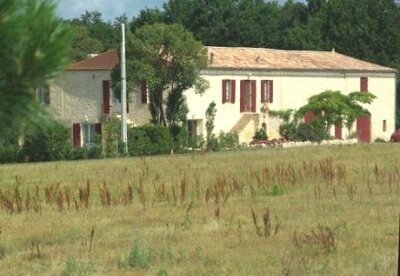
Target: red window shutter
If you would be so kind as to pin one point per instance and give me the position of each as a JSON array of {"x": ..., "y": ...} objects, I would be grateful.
[
  {"x": 106, "y": 96},
  {"x": 97, "y": 128},
  {"x": 271, "y": 91},
  {"x": 364, "y": 84},
  {"x": 253, "y": 96},
  {"x": 308, "y": 117},
  {"x": 143, "y": 89},
  {"x": 76, "y": 135},
  {"x": 223, "y": 91},
  {"x": 262, "y": 91},
  {"x": 233, "y": 91},
  {"x": 242, "y": 96}
]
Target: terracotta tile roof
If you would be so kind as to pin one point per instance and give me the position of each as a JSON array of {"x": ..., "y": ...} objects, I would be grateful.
[
  {"x": 104, "y": 61},
  {"x": 271, "y": 59},
  {"x": 258, "y": 59}
]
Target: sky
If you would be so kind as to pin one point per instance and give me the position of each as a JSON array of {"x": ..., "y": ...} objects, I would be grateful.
[{"x": 109, "y": 9}]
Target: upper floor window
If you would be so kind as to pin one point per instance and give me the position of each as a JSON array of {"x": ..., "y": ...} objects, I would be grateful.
[
  {"x": 43, "y": 94},
  {"x": 228, "y": 91},
  {"x": 267, "y": 91},
  {"x": 364, "y": 84}
]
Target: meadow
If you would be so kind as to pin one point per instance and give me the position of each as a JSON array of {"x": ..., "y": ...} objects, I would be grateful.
[{"x": 324, "y": 210}]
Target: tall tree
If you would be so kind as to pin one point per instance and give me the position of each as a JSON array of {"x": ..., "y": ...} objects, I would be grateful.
[
  {"x": 33, "y": 47},
  {"x": 169, "y": 59}
]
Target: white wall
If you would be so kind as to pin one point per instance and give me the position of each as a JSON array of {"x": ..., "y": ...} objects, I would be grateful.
[{"x": 291, "y": 90}]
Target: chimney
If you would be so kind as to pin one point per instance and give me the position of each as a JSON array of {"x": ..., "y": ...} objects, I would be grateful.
[
  {"x": 211, "y": 58},
  {"x": 91, "y": 55}
]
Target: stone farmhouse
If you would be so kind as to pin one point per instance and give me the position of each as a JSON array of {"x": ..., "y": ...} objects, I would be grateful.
[{"x": 244, "y": 83}]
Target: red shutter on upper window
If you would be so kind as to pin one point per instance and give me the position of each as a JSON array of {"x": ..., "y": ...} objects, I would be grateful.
[
  {"x": 76, "y": 135},
  {"x": 364, "y": 84},
  {"x": 262, "y": 91},
  {"x": 233, "y": 91},
  {"x": 106, "y": 96},
  {"x": 253, "y": 95},
  {"x": 242, "y": 96},
  {"x": 143, "y": 90},
  {"x": 223, "y": 91},
  {"x": 271, "y": 91},
  {"x": 97, "y": 128}
]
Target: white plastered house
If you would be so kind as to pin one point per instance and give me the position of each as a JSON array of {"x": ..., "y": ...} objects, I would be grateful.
[{"x": 244, "y": 83}]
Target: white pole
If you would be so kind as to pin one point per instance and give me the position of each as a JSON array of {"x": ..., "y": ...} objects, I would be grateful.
[{"x": 124, "y": 132}]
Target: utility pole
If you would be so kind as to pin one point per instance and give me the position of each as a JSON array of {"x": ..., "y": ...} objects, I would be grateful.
[{"x": 124, "y": 132}]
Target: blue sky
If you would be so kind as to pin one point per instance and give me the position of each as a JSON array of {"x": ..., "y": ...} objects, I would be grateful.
[{"x": 109, "y": 9}]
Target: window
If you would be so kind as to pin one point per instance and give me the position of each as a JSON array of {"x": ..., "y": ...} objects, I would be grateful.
[
  {"x": 228, "y": 91},
  {"x": 364, "y": 84},
  {"x": 384, "y": 126},
  {"x": 88, "y": 133},
  {"x": 84, "y": 134},
  {"x": 43, "y": 94},
  {"x": 267, "y": 92}
]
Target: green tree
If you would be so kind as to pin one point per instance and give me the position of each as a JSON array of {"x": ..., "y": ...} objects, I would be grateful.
[
  {"x": 336, "y": 108},
  {"x": 83, "y": 44},
  {"x": 169, "y": 59},
  {"x": 33, "y": 47}
]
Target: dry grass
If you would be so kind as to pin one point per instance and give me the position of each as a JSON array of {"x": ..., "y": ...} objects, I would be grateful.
[{"x": 318, "y": 210}]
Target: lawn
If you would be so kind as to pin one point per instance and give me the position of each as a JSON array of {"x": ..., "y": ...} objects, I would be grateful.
[{"x": 323, "y": 210}]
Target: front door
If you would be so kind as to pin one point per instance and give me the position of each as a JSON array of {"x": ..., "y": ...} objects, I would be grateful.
[
  {"x": 247, "y": 96},
  {"x": 364, "y": 129}
]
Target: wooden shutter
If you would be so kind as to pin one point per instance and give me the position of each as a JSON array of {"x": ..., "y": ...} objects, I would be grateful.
[
  {"x": 106, "y": 96},
  {"x": 223, "y": 91},
  {"x": 233, "y": 91},
  {"x": 97, "y": 128},
  {"x": 364, "y": 84},
  {"x": 143, "y": 89},
  {"x": 262, "y": 91},
  {"x": 253, "y": 87},
  {"x": 76, "y": 135},
  {"x": 271, "y": 91},
  {"x": 242, "y": 96}
]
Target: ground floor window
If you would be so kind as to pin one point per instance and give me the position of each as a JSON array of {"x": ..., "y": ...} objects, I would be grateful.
[{"x": 85, "y": 134}]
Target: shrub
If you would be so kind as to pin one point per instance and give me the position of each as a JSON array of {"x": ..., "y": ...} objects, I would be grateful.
[
  {"x": 149, "y": 140},
  {"x": 228, "y": 140},
  {"x": 47, "y": 144},
  {"x": 94, "y": 152},
  {"x": 79, "y": 153},
  {"x": 11, "y": 154},
  {"x": 196, "y": 142},
  {"x": 315, "y": 131},
  {"x": 260, "y": 134},
  {"x": 288, "y": 130},
  {"x": 111, "y": 136},
  {"x": 379, "y": 140}
]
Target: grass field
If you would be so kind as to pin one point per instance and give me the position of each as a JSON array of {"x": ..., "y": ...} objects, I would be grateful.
[{"x": 318, "y": 210}]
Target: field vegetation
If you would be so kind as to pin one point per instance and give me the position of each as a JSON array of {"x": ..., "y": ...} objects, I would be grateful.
[{"x": 300, "y": 211}]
